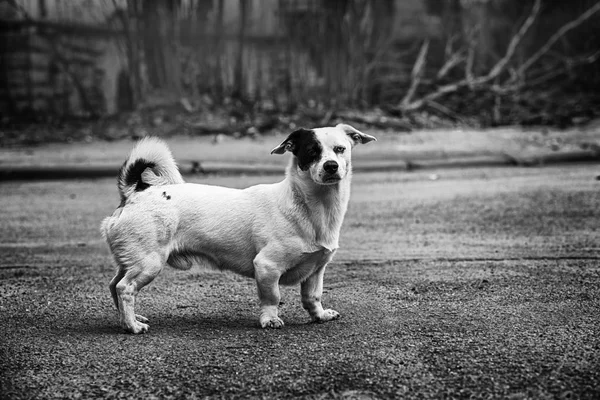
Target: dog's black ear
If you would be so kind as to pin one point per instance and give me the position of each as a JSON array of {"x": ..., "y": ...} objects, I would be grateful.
[
  {"x": 291, "y": 142},
  {"x": 357, "y": 136}
]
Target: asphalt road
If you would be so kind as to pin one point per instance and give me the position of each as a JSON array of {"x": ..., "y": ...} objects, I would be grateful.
[{"x": 480, "y": 283}]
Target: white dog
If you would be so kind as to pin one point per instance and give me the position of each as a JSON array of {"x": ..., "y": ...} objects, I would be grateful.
[{"x": 282, "y": 233}]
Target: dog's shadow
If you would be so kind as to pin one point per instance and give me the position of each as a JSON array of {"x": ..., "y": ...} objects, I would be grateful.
[
  {"x": 201, "y": 323},
  {"x": 173, "y": 325}
]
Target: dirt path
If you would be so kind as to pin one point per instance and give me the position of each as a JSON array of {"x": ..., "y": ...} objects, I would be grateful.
[{"x": 479, "y": 283}]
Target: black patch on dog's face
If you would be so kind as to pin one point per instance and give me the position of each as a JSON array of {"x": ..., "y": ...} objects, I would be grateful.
[{"x": 306, "y": 147}]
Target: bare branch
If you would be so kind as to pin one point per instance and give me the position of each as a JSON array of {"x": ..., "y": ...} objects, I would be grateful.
[
  {"x": 549, "y": 74},
  {"x": 470, "y": 60},
  {"x": 516, "y": 40},
  {"x": 444, "y": 110},
  {"x": 417, "y": 73},
  {"x": 469, "y": 80},
  {"x": 469, "y": 63},
  {"x": 420, "y": 62},
  {"x": 20, "y": 9},
  {"x": 587, "y": 59},
  {"x": 448, "y": 48},
  {"x": 442, "y": 90},
  {"x": 559, "y": 34},
  {"x": 569, "y": 64},
  {"x": 453, "y": 61}
]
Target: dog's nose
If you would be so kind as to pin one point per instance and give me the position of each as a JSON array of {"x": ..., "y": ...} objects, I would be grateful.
[{"x": 330, "y": 167}]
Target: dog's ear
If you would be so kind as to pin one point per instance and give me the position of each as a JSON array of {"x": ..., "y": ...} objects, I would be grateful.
[
  {"x": 355, "y": 135},
  {"x": 291, "y": 142}
]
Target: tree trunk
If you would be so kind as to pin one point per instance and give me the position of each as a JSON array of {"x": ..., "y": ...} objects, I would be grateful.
[
  {"x": 238, "y": 88},
  {"x": 132, "y": 27},
  {"x": 217, "y": 52},
  {"x": 160, "y": 45}
]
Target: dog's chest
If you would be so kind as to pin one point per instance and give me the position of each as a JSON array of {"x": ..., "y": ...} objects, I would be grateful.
[{"x": 306, "y": 265}]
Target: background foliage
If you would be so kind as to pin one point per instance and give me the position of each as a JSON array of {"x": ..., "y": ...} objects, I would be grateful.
[{"x": 391, "y": 63}]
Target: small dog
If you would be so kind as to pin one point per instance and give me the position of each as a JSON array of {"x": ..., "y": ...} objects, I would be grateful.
[{"x": 283, "y": 233}]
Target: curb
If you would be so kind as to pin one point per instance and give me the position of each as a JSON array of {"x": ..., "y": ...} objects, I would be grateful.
[
  {"x": 463, "y": 162},
  {"x": 189, "y": 167},
  {"x": 558, "y": 158}
]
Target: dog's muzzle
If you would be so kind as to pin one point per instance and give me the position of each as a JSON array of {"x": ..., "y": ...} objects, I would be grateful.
[
  {"x": 330, "y": 167},
  {"x": 331, "y": 172}
]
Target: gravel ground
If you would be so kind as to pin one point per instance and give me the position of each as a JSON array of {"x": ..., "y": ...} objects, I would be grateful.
[{"x": 468, "y": 283}]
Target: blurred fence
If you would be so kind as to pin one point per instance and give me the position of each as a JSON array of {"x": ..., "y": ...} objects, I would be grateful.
[{"x": 92, "y": 58}]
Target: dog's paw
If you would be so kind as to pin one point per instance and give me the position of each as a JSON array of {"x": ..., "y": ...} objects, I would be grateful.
[
  {"x": 141, "y": 318},
  {"x": 271, "y": 322},
  {"x": 328, "y": 315},
  {"x": 137, "y": 328}
]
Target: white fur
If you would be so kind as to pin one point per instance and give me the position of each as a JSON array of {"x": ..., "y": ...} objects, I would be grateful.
[
  {"x": 154, "y": 150},
  {"x": 282, "y": 233}
]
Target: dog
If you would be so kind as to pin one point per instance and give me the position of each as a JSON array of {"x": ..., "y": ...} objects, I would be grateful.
[{"x": 283, "y": 233}]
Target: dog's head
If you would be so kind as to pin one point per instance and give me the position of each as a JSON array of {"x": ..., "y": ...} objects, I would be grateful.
[{"x": 324, "y": 153}]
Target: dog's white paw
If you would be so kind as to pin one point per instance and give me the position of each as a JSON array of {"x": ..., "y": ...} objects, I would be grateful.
[
  {"x": 271, "y": 322},
  {"x": 141, "y": 318},
  {"x": 328, "y": 315},
  {"x": 137, "y": 327}
]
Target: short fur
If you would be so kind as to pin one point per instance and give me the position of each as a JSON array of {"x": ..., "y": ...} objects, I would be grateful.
[{"x": 282, "y": 233}]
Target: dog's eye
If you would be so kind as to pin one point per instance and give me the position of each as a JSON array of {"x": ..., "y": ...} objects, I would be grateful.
[{"x": 339, "y": 149}]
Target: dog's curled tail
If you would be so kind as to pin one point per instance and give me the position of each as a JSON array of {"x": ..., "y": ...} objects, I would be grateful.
[{"x": 149, "y": 164}]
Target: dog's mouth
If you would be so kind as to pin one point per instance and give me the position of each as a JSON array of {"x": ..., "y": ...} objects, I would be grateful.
[{"x": 329, "y": 179}]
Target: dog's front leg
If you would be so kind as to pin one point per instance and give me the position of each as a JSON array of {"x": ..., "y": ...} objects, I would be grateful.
[
  {"x": 311, "y": 291},
  {"x": 267, "y": 280}
]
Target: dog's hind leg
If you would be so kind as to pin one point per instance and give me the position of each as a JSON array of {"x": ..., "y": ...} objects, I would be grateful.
[
  {"x": 136, "y": 277},
  {"x": 113, "y": 291},
  {"x": 113, "y": 285}
]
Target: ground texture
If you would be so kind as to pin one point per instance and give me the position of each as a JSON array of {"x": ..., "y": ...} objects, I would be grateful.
[{"x": 469, "y": 283}]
